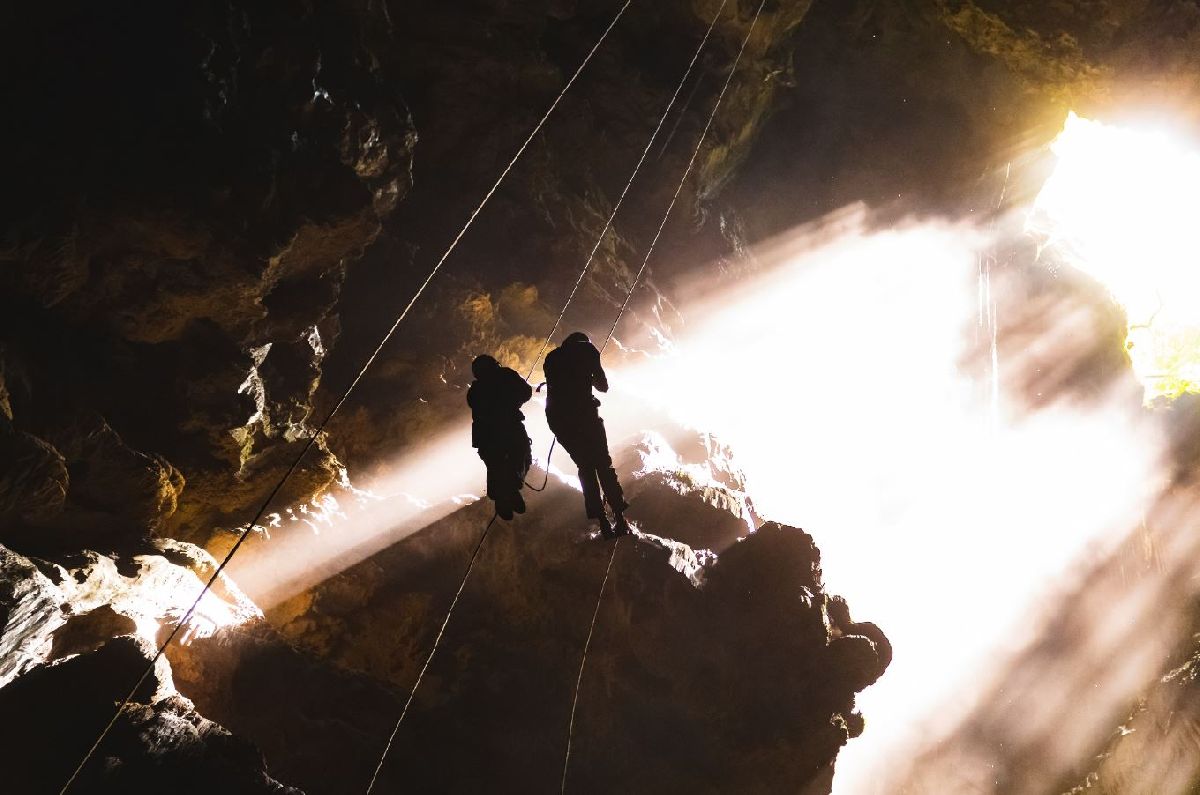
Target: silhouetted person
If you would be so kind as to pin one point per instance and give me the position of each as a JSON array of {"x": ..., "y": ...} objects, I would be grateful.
[
  {"x": 572, "y": 370},
  {"x": 498, "y": 431}
]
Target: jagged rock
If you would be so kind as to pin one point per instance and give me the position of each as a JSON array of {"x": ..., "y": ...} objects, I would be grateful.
[
  {"x": 1047, "y": 62},
  {"x": 30, "y": 612},
  {"x": 845, "y": 627},
  {"x": 159, "y": 743},
  {"x": 291, "y": 702},
  {"x": 222, "y": 216},
  {"x": 109, "y": 477},
  {"x": 716, "y": 673},
  {"x": 718, "y": 512},
  {"x": 33, "y": 477},
  {"x": 290, "y": 375},
  {"x": 49, "y": 611},
  {"x": 68, "y": 619},
  {"x": 88, "y": 631}
]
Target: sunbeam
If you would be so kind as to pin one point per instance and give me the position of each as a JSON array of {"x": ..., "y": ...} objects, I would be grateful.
[
  {"x": 955, "y": 505},
  {"x": 841, "y": 384}
]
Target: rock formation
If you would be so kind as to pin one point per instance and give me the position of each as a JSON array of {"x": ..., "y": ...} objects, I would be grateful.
[
  {"x": 213, "y": 213},
  {"x": 717, "y": 671},
  {"x": 159, "y": 743}
]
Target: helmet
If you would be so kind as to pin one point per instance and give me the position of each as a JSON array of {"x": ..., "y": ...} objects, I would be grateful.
[
  {"x": 483, "y": 365},
  {"x": 576, "y": 336}
]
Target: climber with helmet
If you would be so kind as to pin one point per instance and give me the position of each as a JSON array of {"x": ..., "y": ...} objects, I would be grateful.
[
  {"x": 498, "y": 431},
  {"x": 572, "y": 370}
]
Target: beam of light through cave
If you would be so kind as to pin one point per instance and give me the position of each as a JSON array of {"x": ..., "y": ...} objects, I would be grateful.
[
  {"x": 954, "y": 508},
  {"x": 838, "y": 378},
  {"x": 1118, "y": 207},
  {"x": 306, "y": 547},
  {"x": 417, "y": 489}
]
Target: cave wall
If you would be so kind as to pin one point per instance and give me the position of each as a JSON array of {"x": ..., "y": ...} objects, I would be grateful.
[
  {"x": 728, "y": 672},
  {"x": 199, "y": 255},
  {"x": 218, "y": 211},
  {"x": 213, "y": 213},
  {"x": 188, "y": 191}
]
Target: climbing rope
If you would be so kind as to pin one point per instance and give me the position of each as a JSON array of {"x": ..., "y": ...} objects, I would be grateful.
[
  {"x": 683, "y": 180},
  {"x": 612, "y": 215},
  {"x": 587, "y": 265},
  {"x": 629, "y": 183},
  {"x": 436, "y": 642},
  {"x": 316, "y": 434},
  {"x": 249, "y": 528},
  {"x": 583, "y": 662},
  {"x": 662, "y": 224},
  {"x": 532, "y": 487}
]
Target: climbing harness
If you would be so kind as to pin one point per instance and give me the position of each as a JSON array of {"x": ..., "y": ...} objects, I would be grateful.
[
  {"x": 436, "y": 642},
  {"x": 604, "y": 583},
  {"x": 249, "y": 528}
]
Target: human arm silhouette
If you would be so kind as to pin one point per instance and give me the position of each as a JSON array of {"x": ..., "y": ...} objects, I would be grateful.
[
  {"x": 599, "y": 378},
  {"x": 518, "y": 387}
]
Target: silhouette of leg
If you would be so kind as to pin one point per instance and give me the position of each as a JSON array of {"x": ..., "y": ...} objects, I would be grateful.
[
  {"x": 499, "y": 481},
  {"x": 592, "y": 503},
  {"x": 514, "y": 466},
  {"x": 606, "y": 528},
  {"x": 526, "y": 462},
  {"x": 570, "y": 432},
  {"x": 497, "y": 475},
  {"x": 598, "y": 456},
  {"x": 612, "y": 487}
]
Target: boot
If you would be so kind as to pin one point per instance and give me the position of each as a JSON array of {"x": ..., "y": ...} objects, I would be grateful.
[
  {"x": 518, "y": 504},
  {"x": 606, "y": 529},
  {"x": 621, "y": 527},
  {"x": 504, "y": 509}
]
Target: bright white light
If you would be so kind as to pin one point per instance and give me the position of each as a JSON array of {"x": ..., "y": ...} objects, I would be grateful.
[
  {"x": 836, "y": 379},
  {"x": 415, "y": 490},
  {"x": 1121, "y": 205},
  {"x": 948, "y": 520}
]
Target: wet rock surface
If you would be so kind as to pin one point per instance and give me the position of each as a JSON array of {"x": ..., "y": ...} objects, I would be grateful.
[{"x": 717, "y": 511}]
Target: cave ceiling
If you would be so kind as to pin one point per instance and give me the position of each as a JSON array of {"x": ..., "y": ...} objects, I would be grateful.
[{"x": 188, "y": 187}]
